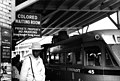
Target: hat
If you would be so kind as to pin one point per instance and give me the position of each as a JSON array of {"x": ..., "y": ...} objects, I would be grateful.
[{"x": 36, "y": 46}]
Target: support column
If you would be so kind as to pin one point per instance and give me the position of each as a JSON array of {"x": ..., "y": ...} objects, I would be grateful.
[
  {"x": 113, "y": 21},
  {"x": 118, "y": 19},
  {"x": 13, "y": 10}
]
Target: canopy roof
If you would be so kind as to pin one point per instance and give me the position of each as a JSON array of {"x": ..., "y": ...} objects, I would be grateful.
[{"x": 70, "y": 15}]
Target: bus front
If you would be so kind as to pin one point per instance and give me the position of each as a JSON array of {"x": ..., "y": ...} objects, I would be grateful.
[{"x": 112, "y": 57}]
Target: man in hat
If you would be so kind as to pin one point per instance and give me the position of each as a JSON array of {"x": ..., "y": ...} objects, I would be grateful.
[{"x": 33, "y": 68}]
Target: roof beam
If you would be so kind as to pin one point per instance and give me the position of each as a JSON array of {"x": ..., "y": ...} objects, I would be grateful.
[
  {"x": 46, "y": 5},
  {"x": 67, "y": 19},
  {"x": 96, "y": 15},
  {"x": 68, "y": 23},
  {"x": 75, "y": 19},
  {"x": 96, "y": 18},
  {"x": 104, "y": 7},
  {"x": 55, "y": 21},
  {"x": 58, "y": 28},
  {"x": 79, "y": 21},
  {"x": 60, "y": 4},
  {"x": 74, "y": 3},
  {"x": 65, "y": 8},
  {"x": 106, "y": 4},
  {"x": 86, "y": 4},
  {"x": 117, "y": 4},
  {"x": 25, "y": 4},
  {"x": 96, "y": 4},
  {"x": 50, "y": 14}
]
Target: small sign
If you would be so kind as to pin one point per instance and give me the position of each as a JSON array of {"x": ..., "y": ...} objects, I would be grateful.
[
  {"x": 6, "y": 53},
  {"x": 27, "y": 31}
]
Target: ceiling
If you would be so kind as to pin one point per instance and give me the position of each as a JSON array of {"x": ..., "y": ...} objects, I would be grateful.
[{"x": 70, "y": 15}]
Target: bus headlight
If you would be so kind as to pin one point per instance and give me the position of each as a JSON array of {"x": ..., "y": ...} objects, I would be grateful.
[{"x": 97, "y": 37}]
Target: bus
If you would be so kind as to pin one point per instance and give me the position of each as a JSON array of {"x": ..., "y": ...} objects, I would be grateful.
[{"x": 93, "y": 56}]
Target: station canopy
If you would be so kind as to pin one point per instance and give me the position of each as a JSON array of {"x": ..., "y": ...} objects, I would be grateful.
[{"x": 69, "y": 15}]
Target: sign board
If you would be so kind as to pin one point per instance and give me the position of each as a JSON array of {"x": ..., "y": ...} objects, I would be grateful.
[
  {"x": 27, "y": 31},
  {"x": 6, "y": 45},
  {"x": 27, "y": 24},
  {"x": 28, "y": 19}
]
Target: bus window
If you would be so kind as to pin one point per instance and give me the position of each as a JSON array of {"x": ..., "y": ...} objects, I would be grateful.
[
  {"x": 71, "y": 58},
  {"x": 54, "y": 58},
  {"x": 74, "y": 57},
  {"x": 57, "y": 58},
  {"x": 47, "y": 57},
  {"x": 78, "y": 56},
  {"x": 93, "y": 56},
  {"x": 109, "y": 59},
  {"x": 62, "y": 58}
]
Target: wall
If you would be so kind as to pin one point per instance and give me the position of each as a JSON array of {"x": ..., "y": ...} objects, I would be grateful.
[{"x": 6, "y": 19}]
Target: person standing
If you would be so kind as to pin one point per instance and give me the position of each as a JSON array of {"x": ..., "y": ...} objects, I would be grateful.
[
  {"x": 15, "y": 68},
  {"x": 33, "y": 68}
]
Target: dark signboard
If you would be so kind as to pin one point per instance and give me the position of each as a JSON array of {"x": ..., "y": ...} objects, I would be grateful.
[
  {"x": 6, "y": 45},
  {"x": 27, "y": 24},
  {"x": 28, "y": 19}
]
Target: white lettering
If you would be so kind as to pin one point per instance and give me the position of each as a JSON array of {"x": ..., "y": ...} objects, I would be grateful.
[
  {"x": 20, "y": 31},
  {"x": 35, "y": 32},
  {"x": 27, "y": 22},
  {"x": 18, "y": 15},
  {"x": 27, "y": 16},
  {"x": 73, "y": 69},
  {"x": 34, "y": 29},
  {"x": 35, "y": 22}
]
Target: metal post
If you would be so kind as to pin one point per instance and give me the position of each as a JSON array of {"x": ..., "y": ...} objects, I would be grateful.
[
  {"x": 13, "y": 10},
  {"x": 40, "y": 25},
  {"x": 0, "y": 56},
  {"x": 78, "y": 31},
  {"x": 87, "y": 29},
  {"x": 118, "y": 19},
  {"x": 113, "y": 21}
]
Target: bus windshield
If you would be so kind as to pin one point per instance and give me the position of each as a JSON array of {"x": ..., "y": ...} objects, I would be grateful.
[{"x": 116, "y": 50}]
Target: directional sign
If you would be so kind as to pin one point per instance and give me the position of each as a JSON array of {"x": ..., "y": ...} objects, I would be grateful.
[
  {"x": 27, "y": 25},
  {"x": 27, "y": 19}
]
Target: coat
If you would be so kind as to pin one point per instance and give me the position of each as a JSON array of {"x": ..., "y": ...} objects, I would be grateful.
[{"x": 38, "y": 69}]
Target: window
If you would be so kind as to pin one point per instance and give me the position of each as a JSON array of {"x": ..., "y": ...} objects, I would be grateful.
[
  {"x": 109, "y": 59},
  {"x": 57, "y": 58},
  {"x": 74, "y": 57},
  {"x": 62, "y": 58},
  {"x": 70, "y": 58},
  {"x": 78, "y": 55},
  {"x": 54, "y": 58},
  {"x": 93, "y": 56}
]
